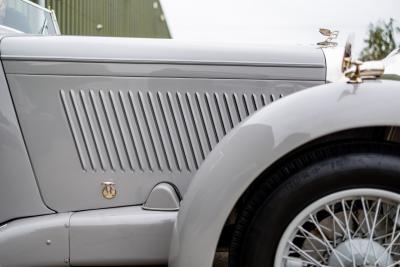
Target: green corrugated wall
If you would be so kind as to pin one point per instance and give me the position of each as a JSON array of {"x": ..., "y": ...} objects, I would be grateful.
[{"x": 130, "y": 18}]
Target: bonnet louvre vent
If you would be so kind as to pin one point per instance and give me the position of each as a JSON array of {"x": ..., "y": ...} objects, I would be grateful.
[{"x": 152, "y": 131}]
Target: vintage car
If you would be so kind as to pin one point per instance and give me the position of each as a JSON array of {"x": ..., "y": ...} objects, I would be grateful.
[{"x": 135, "y": 152}]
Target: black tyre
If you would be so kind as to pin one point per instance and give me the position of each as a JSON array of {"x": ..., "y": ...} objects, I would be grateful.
[{"x": 336, "y": 206}]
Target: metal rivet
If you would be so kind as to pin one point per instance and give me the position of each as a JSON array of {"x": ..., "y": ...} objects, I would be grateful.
[
  {"x": 66, "y": 260},
  {"x": 48, "y": 242}
]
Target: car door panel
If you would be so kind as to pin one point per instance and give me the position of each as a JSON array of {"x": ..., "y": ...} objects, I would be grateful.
[{"x": 133, "y": 131}]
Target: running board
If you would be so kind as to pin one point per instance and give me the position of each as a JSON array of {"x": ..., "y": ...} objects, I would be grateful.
[{"x": 125, "y": 236}]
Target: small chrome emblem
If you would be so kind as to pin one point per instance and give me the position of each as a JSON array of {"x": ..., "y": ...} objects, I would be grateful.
[{"x": 109, "y": 191}]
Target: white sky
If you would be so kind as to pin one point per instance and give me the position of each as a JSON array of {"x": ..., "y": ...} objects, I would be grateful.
[{"x": 279, "y": 21}]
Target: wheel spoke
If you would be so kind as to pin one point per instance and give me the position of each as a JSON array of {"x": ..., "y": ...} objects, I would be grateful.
[
  {"x": 365, "y": 219},
  {"x": 383, "y": 218},
  {"x": 334, "y": 233},
  {"x": 305, "y": 233},
  {"x": 336, "y": 219},
  {"x": 394, "y": 225},
  {"x": 371, "y": 234},
  {"x": 305, "y": 254},
  {"x": 366, "y": 214},
  {"x": 328, "y": 243},
  {"x": 385, "y": 236},
  {"x": 394, "y": 238},
  {"x": 388, "y": 248},
  {"x": 394, "y": 264},
  {"x": 346, "y": 231},
  {"x": 303, "y": 262}
]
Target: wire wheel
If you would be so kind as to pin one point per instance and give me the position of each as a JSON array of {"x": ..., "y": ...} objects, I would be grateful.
[{"x": 352, "y": 228}]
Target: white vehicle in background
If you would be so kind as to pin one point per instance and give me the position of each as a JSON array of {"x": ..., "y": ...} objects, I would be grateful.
[{"x": 23, "y": 16}]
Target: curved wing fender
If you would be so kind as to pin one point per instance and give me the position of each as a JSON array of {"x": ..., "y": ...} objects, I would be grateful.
[{"x": 258, "y": 142}]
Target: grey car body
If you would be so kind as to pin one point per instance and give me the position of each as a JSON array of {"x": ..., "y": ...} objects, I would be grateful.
[{"x": 169, "y": 124}]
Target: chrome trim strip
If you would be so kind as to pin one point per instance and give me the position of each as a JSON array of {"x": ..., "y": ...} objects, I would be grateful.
[{"x": 169, "y": 61}]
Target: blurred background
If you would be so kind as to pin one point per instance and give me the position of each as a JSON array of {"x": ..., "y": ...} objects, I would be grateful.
[
  {"x": 123, "y": 18},
  {"x": 375, "y": 23}
]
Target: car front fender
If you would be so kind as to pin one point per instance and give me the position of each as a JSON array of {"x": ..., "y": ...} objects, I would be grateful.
[{"x": 260, "y": 141}]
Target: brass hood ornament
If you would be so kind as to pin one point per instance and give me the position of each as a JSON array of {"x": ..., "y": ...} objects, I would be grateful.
[
  {"x": 340, "y": 63},
  {"x": 330, "y": 36},
  {"x": 359, "y": 70},
  {"x": 356, "y": 70}
]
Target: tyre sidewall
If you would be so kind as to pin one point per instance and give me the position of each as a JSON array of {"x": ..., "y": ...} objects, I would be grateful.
[{"x": 307, "y": 186}]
